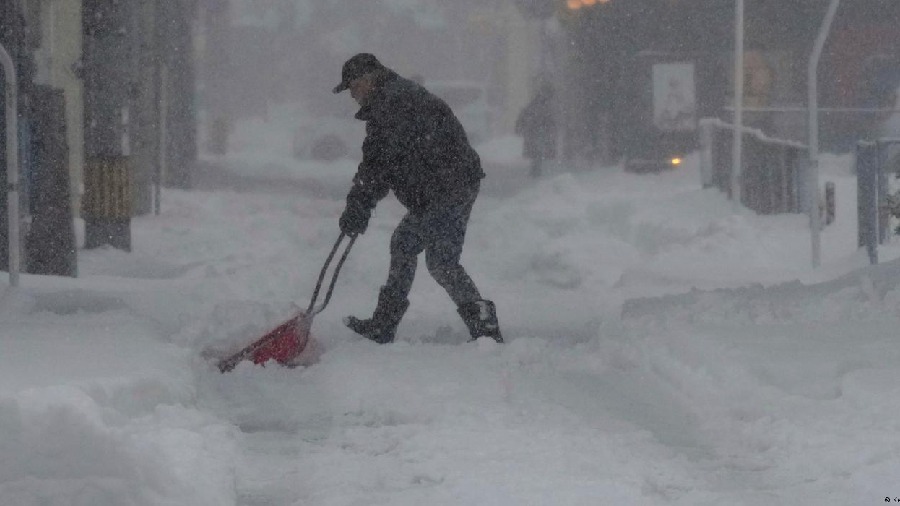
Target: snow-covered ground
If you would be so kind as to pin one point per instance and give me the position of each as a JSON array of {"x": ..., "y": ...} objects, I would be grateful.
[{"x": 663, "y": 348}]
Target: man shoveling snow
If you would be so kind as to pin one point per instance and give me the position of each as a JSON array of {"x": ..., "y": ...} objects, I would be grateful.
[{"x": 416, "y": 147}]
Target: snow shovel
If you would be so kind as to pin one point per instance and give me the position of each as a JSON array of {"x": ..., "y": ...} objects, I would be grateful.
[{"x": 287, "y": 341}]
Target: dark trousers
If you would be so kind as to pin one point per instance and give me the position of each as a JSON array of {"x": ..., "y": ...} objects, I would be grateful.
[{"x": 440, "y": 233}]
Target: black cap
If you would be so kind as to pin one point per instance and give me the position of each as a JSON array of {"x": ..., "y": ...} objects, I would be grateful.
[{"x": 356, "y": 67}]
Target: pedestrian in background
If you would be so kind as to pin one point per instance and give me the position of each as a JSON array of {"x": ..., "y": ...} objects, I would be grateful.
[{"x": 536, "y": 125}]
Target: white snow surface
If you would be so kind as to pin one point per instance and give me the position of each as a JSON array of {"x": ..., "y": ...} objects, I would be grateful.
[{"x": 662, "y": 348}]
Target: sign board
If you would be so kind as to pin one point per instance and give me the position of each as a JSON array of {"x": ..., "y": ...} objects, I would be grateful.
[{"x": 674, "y": 97}]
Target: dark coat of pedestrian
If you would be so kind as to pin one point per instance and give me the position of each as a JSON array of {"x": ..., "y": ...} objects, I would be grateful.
[
  {"x": 537, "y": 126},
  {"x": 417, "y": 148}
]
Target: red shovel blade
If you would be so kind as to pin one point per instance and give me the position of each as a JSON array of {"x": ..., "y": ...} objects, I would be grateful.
[{"x": 283, "y": 344}]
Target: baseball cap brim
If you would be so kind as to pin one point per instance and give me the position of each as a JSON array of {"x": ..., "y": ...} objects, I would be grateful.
[{"x": 341, "y": 87}]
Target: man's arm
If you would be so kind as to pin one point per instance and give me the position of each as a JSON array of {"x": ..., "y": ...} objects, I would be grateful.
[{"x": 369, "y": 183}]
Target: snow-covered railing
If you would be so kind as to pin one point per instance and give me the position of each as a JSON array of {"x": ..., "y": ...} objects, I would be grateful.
[{"x": 771, "y": 168}]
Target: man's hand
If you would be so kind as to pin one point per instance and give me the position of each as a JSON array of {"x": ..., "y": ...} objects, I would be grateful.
[{"x": 354, "y": 220}]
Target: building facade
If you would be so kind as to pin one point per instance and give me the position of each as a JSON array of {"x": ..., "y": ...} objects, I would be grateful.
[{"x": 613, "y": 42}]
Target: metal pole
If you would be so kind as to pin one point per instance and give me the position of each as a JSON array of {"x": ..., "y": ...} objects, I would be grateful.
[
  {"x": 12, "y": 163},
  {"x": 706, "y": 148},
  {"x": 813, "y": 190},
  {"x": 737, "y": 145},
  {"x": 867, "y": 198},
  {"x": 163, "y": 135},
  {"x": 884, "y": 215}
]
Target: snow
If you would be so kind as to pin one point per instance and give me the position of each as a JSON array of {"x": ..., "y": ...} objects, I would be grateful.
[{"x": 663, "y": 348}]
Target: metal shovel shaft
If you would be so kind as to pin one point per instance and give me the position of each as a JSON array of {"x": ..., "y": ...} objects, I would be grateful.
[{"x": 312, "y": 310}]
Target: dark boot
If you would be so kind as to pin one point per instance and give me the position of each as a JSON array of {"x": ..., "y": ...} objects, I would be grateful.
[
  {"x": 383, "y": 323},
  {"x": 481, "y": 318}
]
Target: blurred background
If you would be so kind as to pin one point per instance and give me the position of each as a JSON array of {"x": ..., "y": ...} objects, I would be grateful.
[{"x": 117, "y": 99}]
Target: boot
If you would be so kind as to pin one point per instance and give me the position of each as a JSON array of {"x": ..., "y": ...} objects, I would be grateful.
[
  {"x": 481, "y": 319},
  {"x": 382, "y": 326}
]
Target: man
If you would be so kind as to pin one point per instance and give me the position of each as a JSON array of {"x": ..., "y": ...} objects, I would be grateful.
[{"x": 416, "y": 147}]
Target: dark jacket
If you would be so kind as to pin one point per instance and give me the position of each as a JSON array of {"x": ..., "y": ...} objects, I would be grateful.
[
  {"x": 537, "y": 126},
  {"x": 414, "y": 146}
]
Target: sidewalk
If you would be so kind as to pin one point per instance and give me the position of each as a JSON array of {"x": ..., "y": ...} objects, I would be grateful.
[{"x": 85, "y": 331}]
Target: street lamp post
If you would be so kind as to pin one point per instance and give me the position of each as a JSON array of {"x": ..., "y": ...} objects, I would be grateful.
[{"x": 812, "y": 83}]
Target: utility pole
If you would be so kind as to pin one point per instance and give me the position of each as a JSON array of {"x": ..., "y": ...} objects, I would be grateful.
[
  {"x": 177, "y": 19},
  {"x": 108, "y": 89},
  {"x": 217, "y": 73},
  {"x": 146, "y": 117}
]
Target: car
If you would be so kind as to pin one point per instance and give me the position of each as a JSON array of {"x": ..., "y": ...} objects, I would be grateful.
[{"x": 328, "y": 138}]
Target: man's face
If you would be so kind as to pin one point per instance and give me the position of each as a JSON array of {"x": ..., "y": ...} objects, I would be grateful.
[{"x": 361, "y": 88}]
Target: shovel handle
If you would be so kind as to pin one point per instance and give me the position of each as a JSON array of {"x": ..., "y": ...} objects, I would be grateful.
[{"x": 312, "y": 309}]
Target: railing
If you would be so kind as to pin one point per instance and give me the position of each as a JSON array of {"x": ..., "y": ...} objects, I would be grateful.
[{"x": 771, "y": 172}]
